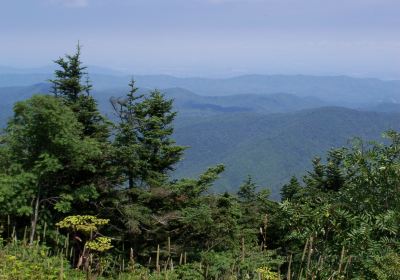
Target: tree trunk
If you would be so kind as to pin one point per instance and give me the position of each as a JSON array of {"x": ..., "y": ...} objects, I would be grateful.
[{"x": 34, "y": 220}]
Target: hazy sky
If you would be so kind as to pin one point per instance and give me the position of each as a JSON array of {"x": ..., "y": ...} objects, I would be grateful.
[{"x": 208, "y": 37}]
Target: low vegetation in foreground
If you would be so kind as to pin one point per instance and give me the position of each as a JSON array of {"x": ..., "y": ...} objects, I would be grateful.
[{"x": 82, "y": 197}]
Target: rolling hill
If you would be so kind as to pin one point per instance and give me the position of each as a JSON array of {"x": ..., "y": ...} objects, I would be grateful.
[
  {"x": 272, "y": 148},
  {"x": 185, "y": 101},
  {"x": 268, "y": 136}
]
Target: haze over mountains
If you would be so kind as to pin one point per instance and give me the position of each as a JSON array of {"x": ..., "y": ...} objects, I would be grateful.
[
  {"x": 334, "y": 88},
  {"x": 268, "y": 127}
]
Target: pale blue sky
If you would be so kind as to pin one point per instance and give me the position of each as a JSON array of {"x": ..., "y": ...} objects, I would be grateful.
[{"x": 208, "y": 37}]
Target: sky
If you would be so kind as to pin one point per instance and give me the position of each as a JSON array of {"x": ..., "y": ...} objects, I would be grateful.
[{"x": 210, "y": 38}]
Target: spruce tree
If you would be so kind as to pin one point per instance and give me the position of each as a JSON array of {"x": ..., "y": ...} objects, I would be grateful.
[
  {"x": 289, "y": 191},
  {"x": 126, "y": 136},
  {"x": 247, "y": 191},
  {"x": 145, "y": 149},
  {"x": 72, "y": 85},
  {"x": 158, "y": 152}
]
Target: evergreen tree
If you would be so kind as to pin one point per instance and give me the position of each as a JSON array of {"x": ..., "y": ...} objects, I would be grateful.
[
  {"x": 45, "y": 146},
  {"x": 126, "y": 141},
  {"x": 158, "y": 152},
  {"x": 317, "y": 177},
  {"x": 72, "y": 85},
  {"x": 256, "y": 209},
  {"x": 329, "y": 176},
  {"x": 289, "y": 190},
  {"x": 335, "y": 178},
  {"x": 247, "y": 191},
  {"x": 146, "y": 151}
]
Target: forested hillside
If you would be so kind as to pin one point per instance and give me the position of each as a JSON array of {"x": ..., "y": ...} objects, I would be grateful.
[
  {"x": 269, "y": 137},
  {"x": 272, "y": 148}
]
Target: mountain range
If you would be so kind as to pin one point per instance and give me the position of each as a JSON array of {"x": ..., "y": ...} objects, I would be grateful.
[
  {"x": 268, "y": 127},
  {"x": 339, "y": 89}
]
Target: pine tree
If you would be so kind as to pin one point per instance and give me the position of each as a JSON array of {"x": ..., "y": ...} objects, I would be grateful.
[
  {"x": 334, "y": 175},
  {"x": 126, "y": 137},
  {"x": 72, "y": 86},
  {"x": 158, "y": 152},
  {"x": 327, "y": 177},
  {"x": 317, "y": 177},
  {"x": 146, "y": 151},
  {"x": 247, "y": 191},
  {"x": 289, "y": 190}
]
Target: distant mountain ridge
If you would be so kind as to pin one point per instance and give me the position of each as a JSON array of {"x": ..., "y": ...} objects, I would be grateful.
[
  {"x": 49, "y": 70},
  {"x": 341, "y": 90},
  {"x": 185, "y": 101}
]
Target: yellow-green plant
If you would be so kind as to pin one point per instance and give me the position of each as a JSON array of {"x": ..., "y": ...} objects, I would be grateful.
[
  {"x": 100, "y": 244},
  {"x": 86, "y": 224},
  {"x": 266, "y": 273},
  {"x": 21, "y": 262},
  {"x": 90, "y": 244}
]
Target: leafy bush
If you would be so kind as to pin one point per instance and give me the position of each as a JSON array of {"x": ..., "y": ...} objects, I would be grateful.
[{"x": 21, "y": 262}]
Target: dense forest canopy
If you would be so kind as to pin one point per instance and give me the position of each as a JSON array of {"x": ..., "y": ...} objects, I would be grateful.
[{"x": 78, "y": 190}]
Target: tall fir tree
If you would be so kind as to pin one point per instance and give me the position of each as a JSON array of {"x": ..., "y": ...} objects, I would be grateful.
[
  {"x": 72, "y": 86},
  {"x": 146, "y": 151},
  {"x": 289, "y": 190},
  {"x": 126, "y": 136},
  {"x": 158, "y": 152},
  {"x": 71, "y": 83}
]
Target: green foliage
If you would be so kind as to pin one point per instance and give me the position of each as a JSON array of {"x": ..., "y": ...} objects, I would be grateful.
[
  {"x": 45, "y": 147},
  {"x": 349, "y": 204},
  {"x": 18, "y": 262},
  {"x": 290, "y": 190},
  {"x": 99, "y": 176},
  {"x": 100, "y": 244},
  {"x": 85, "y": 224},
  {"x": 385, "y": 267},
  {"x": 235, "y": 132},
  {"x": 126, "y": 137},
  {"x": 145, "y": 150},
  {"x": 56, "y": 159},
  {"x": 190, "y": 271},
  {"x": 15, "y": 190},
  {"x": 87, "y": 242},
  {"x": 266, "y": 273},
  {"x": 270, "y": 147},
  {"x": 247, "y": 191},
  {"x": 157, "y": 149},
  {"x": 69, "y": 86}
]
